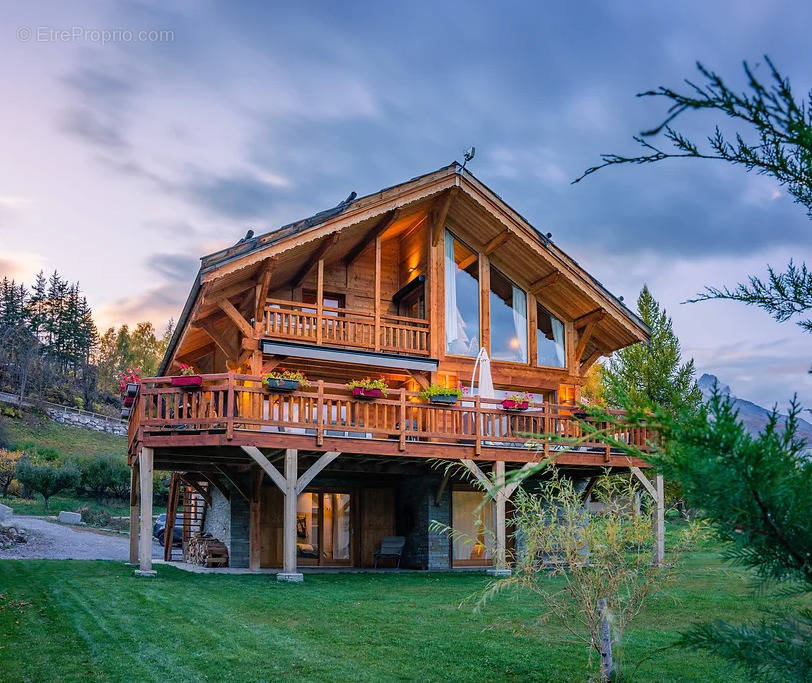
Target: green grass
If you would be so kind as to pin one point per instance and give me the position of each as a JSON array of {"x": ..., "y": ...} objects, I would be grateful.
[
  {"x": 117, "y": 508},
  {"x": 68, "y": 440},
  {"x": 96, "y": 621}
]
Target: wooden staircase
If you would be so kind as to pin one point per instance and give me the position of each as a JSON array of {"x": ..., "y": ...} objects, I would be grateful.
[{"x": 188, "y": 502}]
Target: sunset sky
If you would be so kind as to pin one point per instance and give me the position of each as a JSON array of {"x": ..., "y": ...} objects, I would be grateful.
[{"x": 123, "y": 163}]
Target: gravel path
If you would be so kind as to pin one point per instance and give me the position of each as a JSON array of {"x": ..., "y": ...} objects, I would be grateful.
[{"x": 48, "y": 540}]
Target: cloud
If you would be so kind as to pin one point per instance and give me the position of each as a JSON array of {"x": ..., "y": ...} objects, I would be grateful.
[
  {"x": 157, "y": 304},
  {"x": 21, "y": 266},
  {"x": 236, "y": 196},
  {"x": 89, "y": 126},
  {"x": 174, "y": 267}
]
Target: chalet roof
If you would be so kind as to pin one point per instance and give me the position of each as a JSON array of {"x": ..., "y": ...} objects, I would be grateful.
[{"x": 251, "y": 246}]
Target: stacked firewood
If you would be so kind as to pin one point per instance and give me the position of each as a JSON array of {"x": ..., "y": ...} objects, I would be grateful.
[{"x": 206, "y": 551}]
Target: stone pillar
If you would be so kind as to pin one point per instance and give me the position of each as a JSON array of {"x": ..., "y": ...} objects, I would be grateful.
[
  {"x": 658, "y": 521},
  {"x": 145, "y": 542},
  {"x": 134, "y": 484},
  {"x": 289, "y": 569}
]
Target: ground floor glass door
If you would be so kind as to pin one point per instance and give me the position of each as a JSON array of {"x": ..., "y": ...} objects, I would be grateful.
[
  {"x": 473, "y": 523},
  {"x": 323, "y": 529}
]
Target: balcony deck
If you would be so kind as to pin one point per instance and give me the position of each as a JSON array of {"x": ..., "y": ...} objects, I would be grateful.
[
  {"x": 345, "y": 327},
  {"x": 236, "y": 410}
]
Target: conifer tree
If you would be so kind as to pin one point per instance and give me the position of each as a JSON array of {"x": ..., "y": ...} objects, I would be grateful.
[{"x": 652, "y": 373}]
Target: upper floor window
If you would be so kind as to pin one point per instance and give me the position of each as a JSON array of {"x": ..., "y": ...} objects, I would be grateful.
[
  {"x": 550, "y": 339},
  {"x": 461, "y": 298},
  {"x": 508, "y": 319}
]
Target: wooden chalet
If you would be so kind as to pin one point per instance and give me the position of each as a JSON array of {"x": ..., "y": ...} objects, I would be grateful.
[{"x": 407, "y": 284}]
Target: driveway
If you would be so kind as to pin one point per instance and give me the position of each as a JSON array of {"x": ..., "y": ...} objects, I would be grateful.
[{"x": 48, "y": 540}]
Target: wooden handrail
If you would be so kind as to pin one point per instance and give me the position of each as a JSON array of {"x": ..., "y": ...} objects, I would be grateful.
[{"x": 234, "y": 402}]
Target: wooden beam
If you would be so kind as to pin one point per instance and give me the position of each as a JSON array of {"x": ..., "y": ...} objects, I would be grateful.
[
  {"x": 216, "y": 482},
  {"x": 583, "y": 339},
  {"x": 255, "y": 520},
  {"x": 637, "y": 472},
  {"x": 593, "y": 316},
  {"x": 439, "y": 212},
  {"x": 216, "y": 297},
  {"x": 321, "y": 250},
  {"x": 225, "y": 346},
  {"x": 374, "y": 233},
  {"x": 487, "y": 249},
  {"x": 236, "y": 317},
  {"x": 588, "y": 490},
  {"x": 259, "y": 457},
  {"x": 473, "y": 468},
  {"x": 546, "y": 281},
  {"x": 591, "y": 360},
  {"x": 145, "y": 460},
  {"x": 205, "y": 495},
  {"x": 420, "y": 378},
  {"x": 261, "y": 289},
  {"x": 314, "y": 469},
  {"x": 235, "y": 482}
]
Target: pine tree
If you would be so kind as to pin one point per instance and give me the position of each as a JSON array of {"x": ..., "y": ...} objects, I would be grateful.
[{"x": 652, "y": 373}]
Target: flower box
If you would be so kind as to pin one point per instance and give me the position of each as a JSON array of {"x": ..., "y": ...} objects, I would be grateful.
[
  {"x": 128, "y": 401},
  {"x": 125, "y": 413},
  {"x": 187, "y": 381},
  {"x": 276, "y": 384},
  {"x": 510, "y": 404},
  {"x": 364, "y": 393},
  {"x": 446, "y": 399}
]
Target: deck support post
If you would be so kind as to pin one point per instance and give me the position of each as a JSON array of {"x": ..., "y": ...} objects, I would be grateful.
[
  {"x": 657, "y": 493},
  {"x": 133, "y": 517},
  {"x": 145, "y": 541},
  {"x": 289, "y": 568},
  {"x": 254, "y": 520},
  {"x": 496, "y": 489}
]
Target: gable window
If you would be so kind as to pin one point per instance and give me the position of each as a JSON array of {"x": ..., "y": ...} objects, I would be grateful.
[
  {"x": 508, "y": 319},
  {"x": 461, "y": 298},
  {"x": 550, "y": 339}
]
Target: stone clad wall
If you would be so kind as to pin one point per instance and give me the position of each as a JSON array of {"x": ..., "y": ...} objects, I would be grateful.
[{"x": 416, "y": 510}]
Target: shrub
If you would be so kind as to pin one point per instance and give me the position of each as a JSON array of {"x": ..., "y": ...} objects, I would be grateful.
[
  {"x": 103, "y": 474},
  {"x": 46, "y": 478},
  {"x": 8, "y": 465}
]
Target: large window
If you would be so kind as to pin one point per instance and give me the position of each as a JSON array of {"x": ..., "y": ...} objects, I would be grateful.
[
  {"x": 550, "y": 339},
  {"x": 461, "y": 298},
  {"x": 508, "y": 319}
]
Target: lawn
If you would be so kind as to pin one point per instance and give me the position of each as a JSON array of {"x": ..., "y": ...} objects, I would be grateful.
[
  {"x": 46, "y": 433},
  {"x": 36, "y": 506},
  {"x": 95, "y": 620}
]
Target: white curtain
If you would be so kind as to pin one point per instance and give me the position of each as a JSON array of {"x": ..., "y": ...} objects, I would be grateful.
[
  {"x": 558, "y": 338},
  {"x": 454, "y": 335},
  {"x": 520, "y": 321}
]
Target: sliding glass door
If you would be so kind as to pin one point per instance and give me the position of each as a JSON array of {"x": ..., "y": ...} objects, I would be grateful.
[
  {"x": 324, "y": 529},
  {"x": 473, "y": 522}
]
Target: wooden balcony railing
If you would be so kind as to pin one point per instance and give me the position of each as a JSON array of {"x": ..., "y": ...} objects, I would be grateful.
[
  {"x": 230, "y": 403},
  {"x": 346, "y": 327}
]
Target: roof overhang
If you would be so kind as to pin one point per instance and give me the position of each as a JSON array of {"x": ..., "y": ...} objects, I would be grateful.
[{"x": 370, "y": 358}]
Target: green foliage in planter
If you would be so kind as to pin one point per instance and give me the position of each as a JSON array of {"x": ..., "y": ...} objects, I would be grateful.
[
  {"x": 369, "y": 383},
  {"x": 438, "y": 390}
]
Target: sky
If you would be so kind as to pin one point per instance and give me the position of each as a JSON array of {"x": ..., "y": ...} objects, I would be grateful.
[{"x": 138, "y": 137}]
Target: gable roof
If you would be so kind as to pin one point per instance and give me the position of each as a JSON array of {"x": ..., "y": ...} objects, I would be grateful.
[{"x": 353, "y": 210}]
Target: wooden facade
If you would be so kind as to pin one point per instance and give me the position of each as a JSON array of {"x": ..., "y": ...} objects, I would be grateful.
[{"x": 364, "y": 290}]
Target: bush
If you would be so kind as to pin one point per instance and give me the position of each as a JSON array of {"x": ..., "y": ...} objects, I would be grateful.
[
  {"x": 8, "y": 465},
  {"x": 46, "y": 478},
  {"x": 104, "y": 475}
]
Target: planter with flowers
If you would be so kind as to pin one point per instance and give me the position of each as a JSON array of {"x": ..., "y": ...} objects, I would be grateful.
[
  {"x": 440, "y": 394},
  {"x": 284, "y": 380},
  {"x": 517, "y": 401},
  {"x": 128, "y": 382},
  {"x": 188, "y": 378},
  {"x": 368, "y": 388}
]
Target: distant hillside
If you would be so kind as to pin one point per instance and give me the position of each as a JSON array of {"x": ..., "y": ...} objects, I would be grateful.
[
  {"x": 752, "y": 415},
  {"x": 68, "y": 440}
]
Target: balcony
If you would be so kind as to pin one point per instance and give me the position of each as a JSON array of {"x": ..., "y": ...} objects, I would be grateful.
[
  {"x": 236, "y": 410},
  {"x": 344, "y": 327}
]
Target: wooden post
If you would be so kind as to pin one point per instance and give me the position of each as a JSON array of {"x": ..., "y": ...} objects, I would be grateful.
[
  {"x": 145, "y": 542},
  {"x": 500, "y": 497},
  {"x": 230, "y": 403},
  {"x": 289, "y": 572},
  {"x": 319, "y": 301},
  {"x": 607, "y": 666},
  {"x": 658, "y": 521},
  {"x": 134, "y": 484},
  {"x": 378, "y": 293},
  {"x": 320, "y": 414},
  {"x": 255, "y": 519},
  {"x": 402, "y": 442}
]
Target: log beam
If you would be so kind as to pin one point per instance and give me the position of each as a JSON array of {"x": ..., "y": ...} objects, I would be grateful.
[
  {"x": 236, "y": 317},
  {"x": 438, "y": 214},
  {"x": 314, "y": 469},
  {"x": 145, "y": 460},
  {"x": 546, "y": 281},
  {"x": 259, "y": 458},
  {"x": 374, "y": 233},
  {"x": 321, "y": 250},
  {"x": 593, "y": 316}
]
